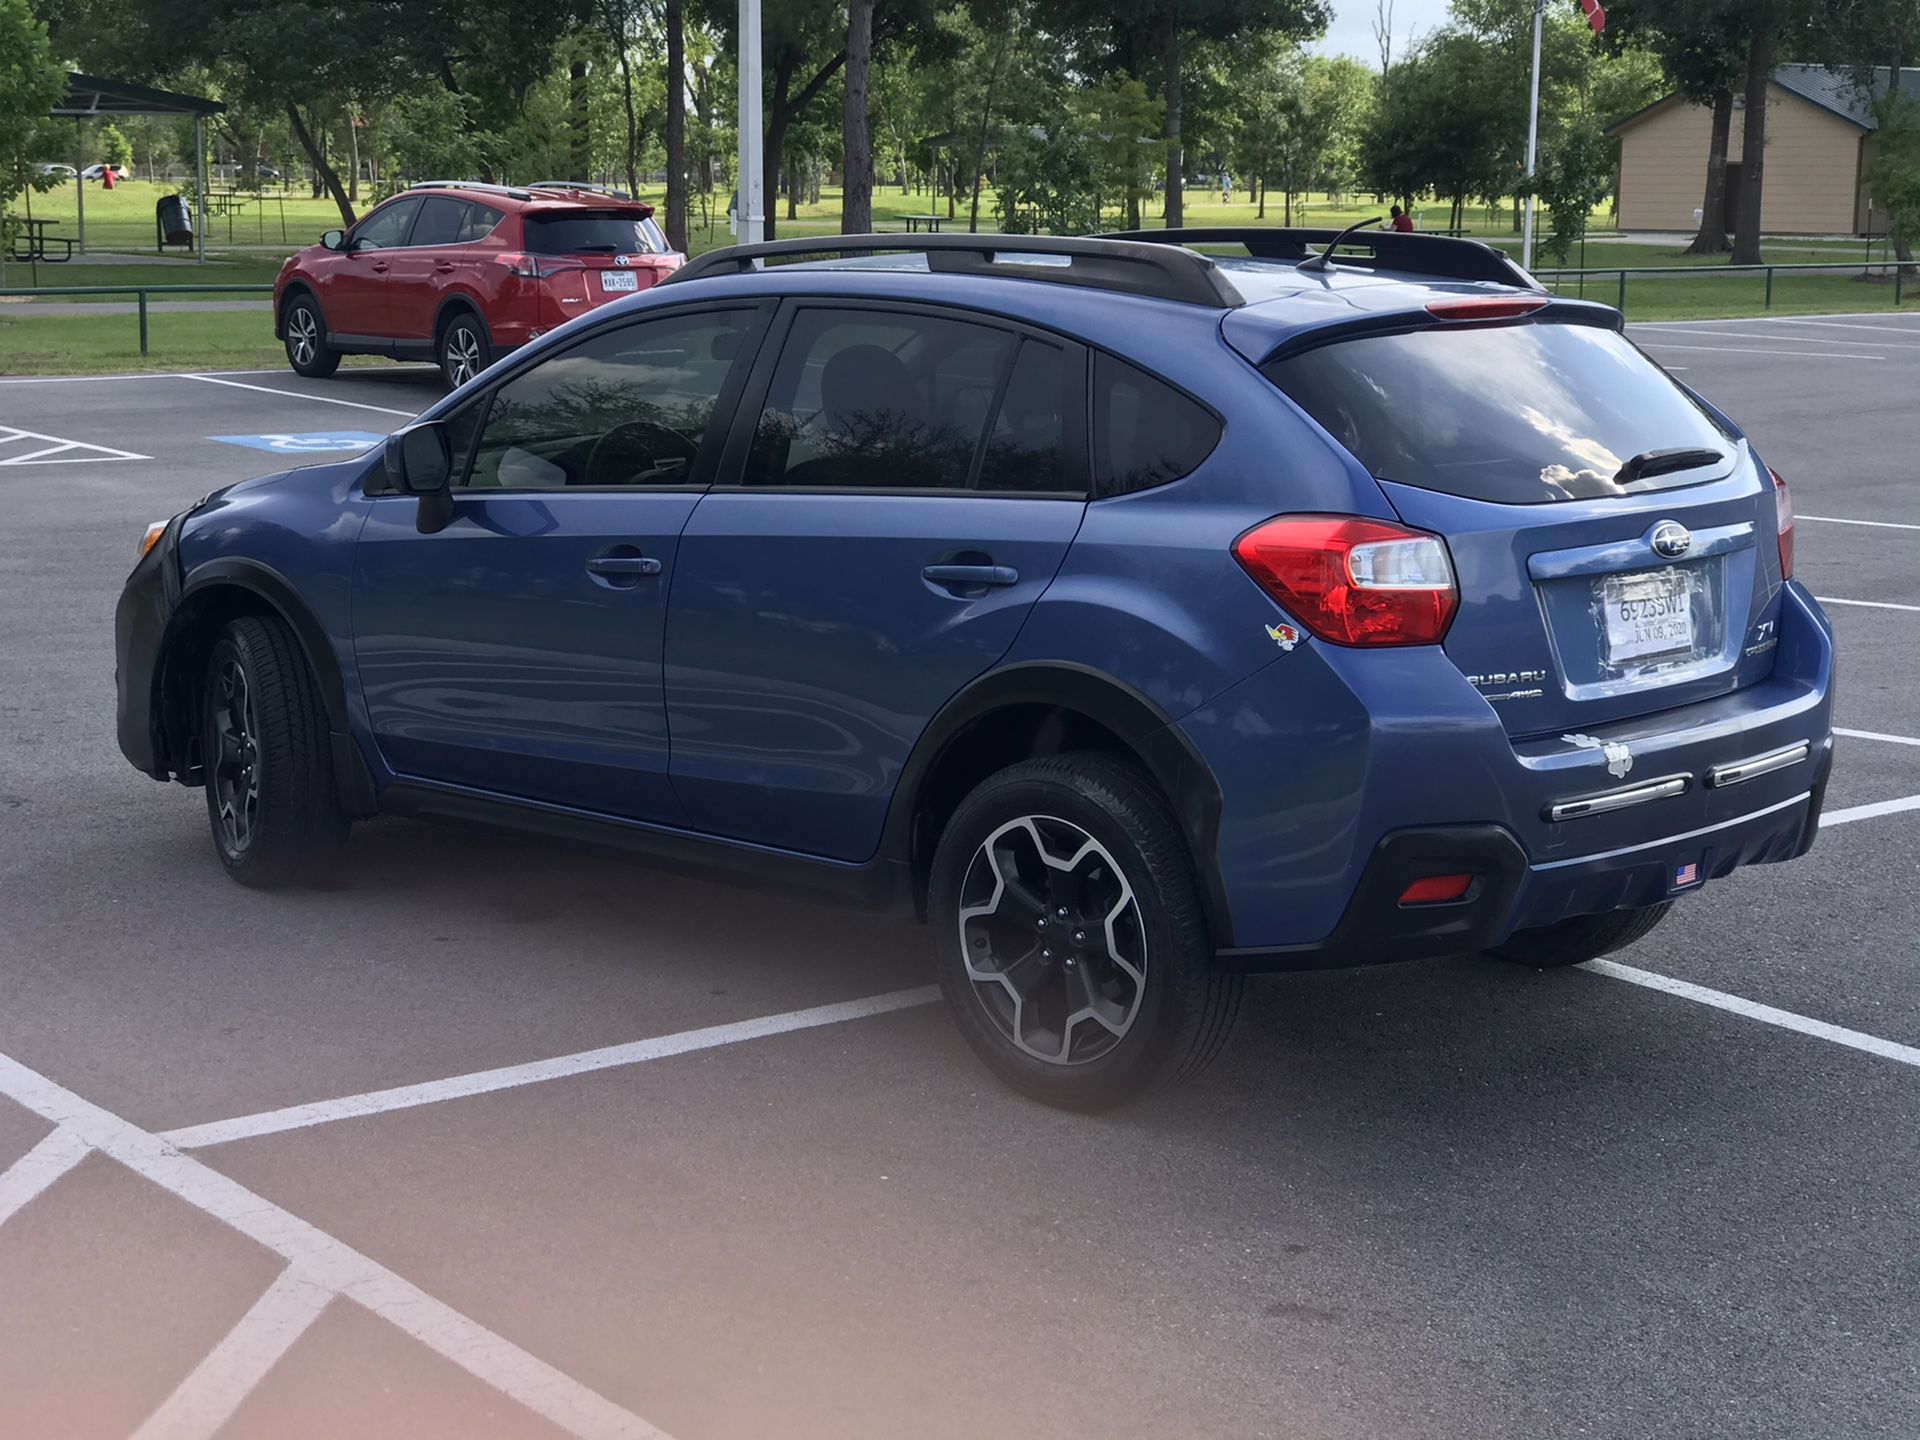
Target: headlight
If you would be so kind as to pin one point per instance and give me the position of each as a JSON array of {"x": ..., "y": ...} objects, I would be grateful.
[{"x": 150, "y": 539}]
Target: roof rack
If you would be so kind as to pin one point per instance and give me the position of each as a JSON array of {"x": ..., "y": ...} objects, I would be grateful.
[
  {"x": 1165, "y": 272},
  {"x": 1444, "y": 256},
  {"x": 583, "y": 185},
  {"x": 513, "y": 192}
]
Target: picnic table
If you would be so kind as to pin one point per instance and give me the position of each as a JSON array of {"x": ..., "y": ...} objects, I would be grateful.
[
  {"x": 33, "y": 244},
  {"x": 931, "y": 222}
]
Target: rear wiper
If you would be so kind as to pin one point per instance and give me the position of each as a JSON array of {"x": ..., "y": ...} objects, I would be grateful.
[
  {"x": 1664, "y": 462},
  {"x": 596, "y": 249}
]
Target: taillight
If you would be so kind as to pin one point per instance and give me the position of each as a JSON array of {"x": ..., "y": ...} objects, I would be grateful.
[
  {"x": 532, "y": 267},
  {"x": 1354, "y": 581},
  {"x": 1783, "y": 512}
]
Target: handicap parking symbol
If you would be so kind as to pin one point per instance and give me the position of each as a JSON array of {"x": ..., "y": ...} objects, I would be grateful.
[{"x": 314, "y": 442}]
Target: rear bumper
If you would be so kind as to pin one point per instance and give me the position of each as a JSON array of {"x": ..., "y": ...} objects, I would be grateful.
[{"x": 1372, "y": 770}]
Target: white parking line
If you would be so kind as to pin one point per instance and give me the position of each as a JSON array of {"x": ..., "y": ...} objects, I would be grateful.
[
  {"x": 1865, "y": 604},
  {"x": 1870, "y": 812},
  {"x": 1750, "y": 350},
  {"x": 324, "y": 1260},
  {"x": 1794, "y": 339},
  {"x": 1877, "y": 735},
  {"x": 300, "y": 395},
  {"x": 56, "y": 446},
  {"x": 508, "y": 1077},
  {"x": 1876, "y": 524},
  {"x": 207, "y": 1398},
  {"x": 1848, "y": 325},
  {"x": 1753, "y": 1010},
  {"x": 56, "y": 1154}
]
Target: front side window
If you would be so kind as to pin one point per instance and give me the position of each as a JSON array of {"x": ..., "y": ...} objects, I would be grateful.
[
  {"x": 1522, "y": 414},
  {"x": 628, "y": 406},
  {"x": 387, "y": 226},
  {"x": 866, "y": 399}
]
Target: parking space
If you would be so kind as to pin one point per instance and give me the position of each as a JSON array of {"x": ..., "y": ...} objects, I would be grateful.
[{"x": 502, "y": 1138}]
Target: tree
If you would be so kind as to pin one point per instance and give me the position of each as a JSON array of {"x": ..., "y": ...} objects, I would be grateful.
[
  {"x": 1575, "y": 175},
  {"x": 676, "y": 23},
  {"x": 32, "y": 82},
  {"x": 114, "y": 147},
  {"x": 856, "y": 140}
]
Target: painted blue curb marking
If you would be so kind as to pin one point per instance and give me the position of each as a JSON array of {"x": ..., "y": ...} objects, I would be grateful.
[{"x": 313, "y": 442}]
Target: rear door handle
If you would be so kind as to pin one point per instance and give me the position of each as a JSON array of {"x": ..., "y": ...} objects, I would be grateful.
[
  {"x": 962, "y": 575},
  {"x": 624, "y": 565},
  {"x": 444, "y": 267}
]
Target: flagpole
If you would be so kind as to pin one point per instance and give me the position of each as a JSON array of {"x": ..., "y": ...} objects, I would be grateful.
[{"x": 1533, "y": 139}]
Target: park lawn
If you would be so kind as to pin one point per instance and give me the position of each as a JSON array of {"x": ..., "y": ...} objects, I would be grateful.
[
  {"x": 121, "y": 220},
  {"x": 1685, "y": 297},
  {"x": 234, "y": 269},
  {"x": 106, "y": 344}
]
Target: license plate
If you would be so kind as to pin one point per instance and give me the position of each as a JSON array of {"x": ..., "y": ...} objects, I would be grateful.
[
  {"x": 612, "y": 280},
  {"x": 1648, "y": 615}
]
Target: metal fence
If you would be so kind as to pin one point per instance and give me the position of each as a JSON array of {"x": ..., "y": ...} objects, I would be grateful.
[
  {"x": 54, "y": 292},
  {"x": 1559, "y": 279}
]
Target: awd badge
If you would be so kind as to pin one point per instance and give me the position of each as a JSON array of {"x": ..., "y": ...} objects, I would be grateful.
[{"x": 1285, "y": 636}]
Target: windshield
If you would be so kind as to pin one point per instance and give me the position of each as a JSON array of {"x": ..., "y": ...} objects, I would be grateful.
[
  {"x": 1521, "y": 414},
  {"x": 594, "y": 232}
]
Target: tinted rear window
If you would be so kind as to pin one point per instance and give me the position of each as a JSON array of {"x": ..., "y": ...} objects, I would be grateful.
[
  {"x": 1145, "y": 432},
  {"x": 589, "y": 232},
  {"x": 1521, "y": 414}
]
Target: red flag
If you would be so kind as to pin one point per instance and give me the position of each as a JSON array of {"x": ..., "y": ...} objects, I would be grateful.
[{"x": 1596, "y": 16}]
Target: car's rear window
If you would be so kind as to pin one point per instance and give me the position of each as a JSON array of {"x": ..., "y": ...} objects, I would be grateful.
[
  {"x": 591, "y": 232},
  {"x": 1521, "y": 414}
]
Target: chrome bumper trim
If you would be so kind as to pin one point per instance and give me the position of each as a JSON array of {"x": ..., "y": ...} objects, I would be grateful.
[
  {"x": 1621, "y": 799},
  {"x": 1722, "y": 775}
]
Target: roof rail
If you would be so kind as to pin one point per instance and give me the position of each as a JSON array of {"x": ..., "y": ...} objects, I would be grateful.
[
  {"x": 1165, "y": 272},
  {"x": 1443, "y": 256},
  {"x": 514, "y": 192},
  {"x": 584, "y": 185}
]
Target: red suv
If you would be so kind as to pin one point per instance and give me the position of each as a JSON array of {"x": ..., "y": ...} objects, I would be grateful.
[{"x": 461, "y": 273}]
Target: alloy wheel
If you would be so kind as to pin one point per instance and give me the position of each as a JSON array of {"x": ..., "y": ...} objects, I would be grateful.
[
  {"x": 236, "y": 759},
  {"x": 303, "y": 335},
  {"x": 1052, "y": 939},
  {"x": 463, "y": 355}
]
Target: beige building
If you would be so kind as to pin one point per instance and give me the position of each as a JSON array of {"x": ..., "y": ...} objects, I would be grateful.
[{"x": 1819, "y": 143}]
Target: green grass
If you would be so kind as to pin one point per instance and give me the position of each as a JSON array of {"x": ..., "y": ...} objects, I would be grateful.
[
  {"x": 1684, "y": 296},
  {"x": 106, "y": 344}
]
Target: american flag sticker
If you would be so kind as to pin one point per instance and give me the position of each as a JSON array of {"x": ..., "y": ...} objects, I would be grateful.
[{"x": 1688, "y": 874}]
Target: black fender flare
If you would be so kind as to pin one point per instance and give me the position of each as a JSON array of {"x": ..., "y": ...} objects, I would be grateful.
[
  {"x": 353, "y": 781},
  {"x": 460, "y": 300},
  {"x": 1147, "y": 729}
]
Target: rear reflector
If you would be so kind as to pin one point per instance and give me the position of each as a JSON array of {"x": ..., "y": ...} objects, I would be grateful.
[
  {"x": 1353, "y": 581},
  {"x": 1783, "y": 516},
  {"x": 1436, "y": 889},
  {"x": 1503, "y": 308}
]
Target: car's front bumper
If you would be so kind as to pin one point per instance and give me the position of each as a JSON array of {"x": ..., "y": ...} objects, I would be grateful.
[
  {"x": 140, "y": 620},
  {"x": 1344, "y": 781}
]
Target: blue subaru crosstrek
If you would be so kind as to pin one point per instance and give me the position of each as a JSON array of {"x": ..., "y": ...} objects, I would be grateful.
[{"x": 1140, "y": 616}]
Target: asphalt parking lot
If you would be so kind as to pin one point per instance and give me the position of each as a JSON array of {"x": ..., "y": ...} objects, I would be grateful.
[{"x": 502, "y": 1139}]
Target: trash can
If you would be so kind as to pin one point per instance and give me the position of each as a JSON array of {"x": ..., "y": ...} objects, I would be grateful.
[{"x": 173, "y": 221}]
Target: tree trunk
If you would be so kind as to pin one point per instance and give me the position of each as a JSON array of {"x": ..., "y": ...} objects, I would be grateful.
[
  {"x": 1712, "y": 237},
  {"x": 1263, "y": 201},
  {"x": 677, "y": 124},
  {"x": 580, "y": 146},
  {"x": 353, "y": 178},
  {"x": 1176, "y": 210},
  {"x": 856, "y": 138},
  {"x": 1753, "y": 148},
  {"x": 328, "y": 175},
  {"x": 986, "y": 129}
]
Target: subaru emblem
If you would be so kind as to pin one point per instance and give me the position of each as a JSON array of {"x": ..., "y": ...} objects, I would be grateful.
[{"x": 1671, "y": 539}]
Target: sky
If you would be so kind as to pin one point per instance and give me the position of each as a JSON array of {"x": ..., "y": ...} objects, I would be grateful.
[{"x": 1351, "y": 32}]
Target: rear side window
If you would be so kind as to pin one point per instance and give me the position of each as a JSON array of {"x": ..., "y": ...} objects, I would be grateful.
[
  {"x": 592, "y": 232},
  {"x": 1145, "y": 432},
  {"x": 479, "y": 222},
  {"x": 1520, "y": 414},
  {"x": 876, "y": 401},
  {"x": 440, "y": 222}
]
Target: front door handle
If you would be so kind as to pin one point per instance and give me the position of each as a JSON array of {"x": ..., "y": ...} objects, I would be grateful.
[
  {"x": 623, "y": 565},
  {"x": 379, "y": 267},
  {"x": 971, "y": 575}
]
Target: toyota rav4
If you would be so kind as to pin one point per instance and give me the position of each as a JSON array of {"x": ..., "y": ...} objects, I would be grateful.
[{"x": 1136, "y": 616}]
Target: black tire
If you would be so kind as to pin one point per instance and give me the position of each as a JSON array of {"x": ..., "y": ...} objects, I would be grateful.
[
  {"x": 1178, "y": 1014},
  {"x": 269, "y": 766},
  {"x": 463, "y": 348},
  {"x": 1582, "y": 938},
  {"x": 306, "y": 342}
]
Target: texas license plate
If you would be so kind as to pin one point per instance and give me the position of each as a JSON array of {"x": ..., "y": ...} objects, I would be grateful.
[
  {"x": 1649, "y": 615},
  {"x": 612, "y": 280}
]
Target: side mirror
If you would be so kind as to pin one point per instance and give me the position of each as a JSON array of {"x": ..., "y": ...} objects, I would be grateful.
[
  {"x": 333, "y": 239},
  {"x": 420, "y": 462}
]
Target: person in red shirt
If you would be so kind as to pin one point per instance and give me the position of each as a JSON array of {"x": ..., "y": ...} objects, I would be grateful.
[
  {"x": 1400, "y": 221},
  {"x": 106, "y": 177}
]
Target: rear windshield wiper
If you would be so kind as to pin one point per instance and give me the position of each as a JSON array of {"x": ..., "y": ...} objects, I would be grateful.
[
  {"x": 596, "y": 249},
  {"x": 1649, "y": 463}
]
